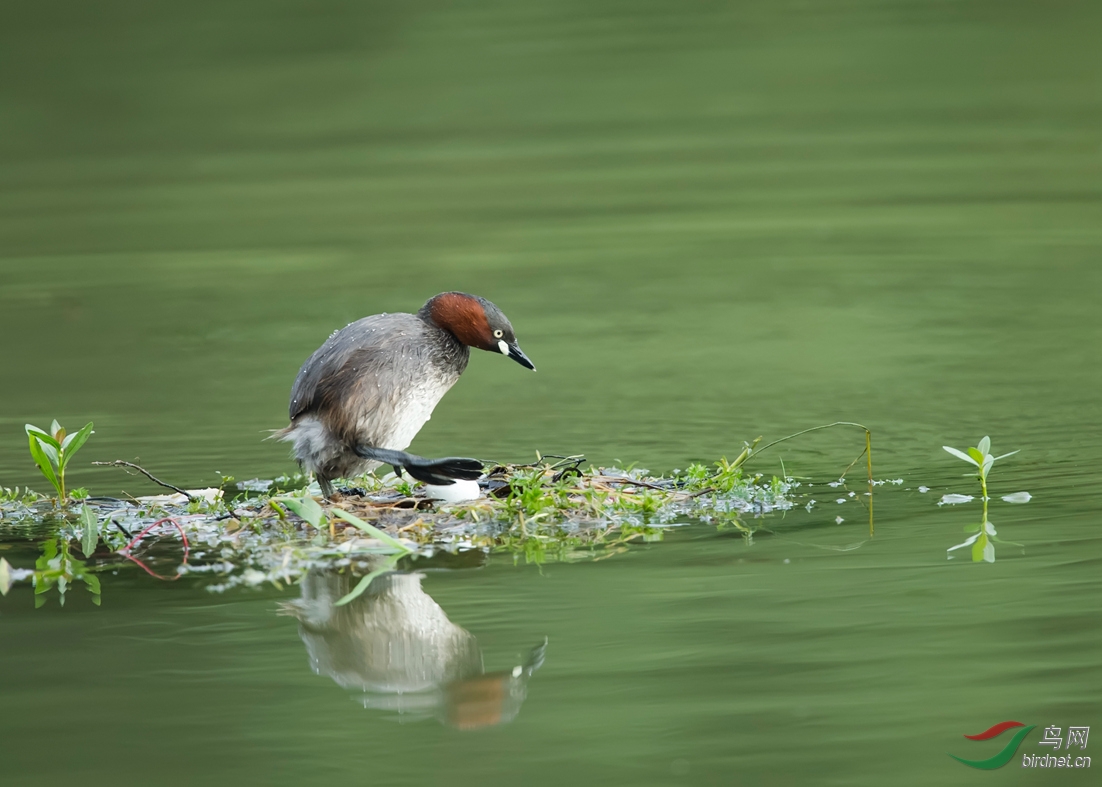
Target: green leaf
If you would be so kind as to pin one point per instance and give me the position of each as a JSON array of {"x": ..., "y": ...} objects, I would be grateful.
[
  {"x": 47, "y": 449},
  {"x": 977, "y": 456},
  {"x": 1004, "y": 456},
  {"x": 92, "y": 582},
  {"x": 91, "y": 530},
  {"x": 73, "y": 442},
  {"x": 374, "y": 532},
  {"x": 55, "y": 427},
  {"x": 961, "y": 455},
  {"x": 984, "y": 446},
  {"x": 364, "y": 583},
  {"x": 988, "y": 460},
  {"x": 307, "y": 508},
  {"x": 43, "y": 436},
  {"x": 43, "y": 462}
]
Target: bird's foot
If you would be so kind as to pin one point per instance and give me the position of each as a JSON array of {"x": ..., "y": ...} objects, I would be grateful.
[{"x": 441, "y": 472}]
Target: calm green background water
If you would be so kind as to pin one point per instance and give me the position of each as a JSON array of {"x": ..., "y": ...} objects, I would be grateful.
[{"x": 707, "y": 221}]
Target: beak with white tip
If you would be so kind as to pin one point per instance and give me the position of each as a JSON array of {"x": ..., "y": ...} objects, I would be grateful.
[{"x": 513, "y": 351}]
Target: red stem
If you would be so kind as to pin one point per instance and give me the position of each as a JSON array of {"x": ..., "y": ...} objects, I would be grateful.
[{"x": 125, "y": 551}]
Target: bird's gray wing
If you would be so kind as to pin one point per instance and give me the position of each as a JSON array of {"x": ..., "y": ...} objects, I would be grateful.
[{"x": 332, "y": 372}]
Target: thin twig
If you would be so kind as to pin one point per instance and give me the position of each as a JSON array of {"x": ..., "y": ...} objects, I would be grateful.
[
  {"x": 617, "y": 480},
  {"x": 851, "y": 464},
  {"x": 575, "y": 459},
  {"x": 812, "y": 429},
  {"x": 866, "y": 453},
  {"x": 149, "y": 475}
]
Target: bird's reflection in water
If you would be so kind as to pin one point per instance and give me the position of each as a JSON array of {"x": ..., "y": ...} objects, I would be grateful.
[{"x": 396, "y": 646}]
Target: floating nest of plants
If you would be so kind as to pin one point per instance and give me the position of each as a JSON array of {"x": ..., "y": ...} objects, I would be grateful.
[{"x": 258, "y": 531}]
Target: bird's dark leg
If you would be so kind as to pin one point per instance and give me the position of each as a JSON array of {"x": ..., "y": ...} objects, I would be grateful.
[
  {"x": 326, "y": 485},
  {"x": 439, "y": 472}
]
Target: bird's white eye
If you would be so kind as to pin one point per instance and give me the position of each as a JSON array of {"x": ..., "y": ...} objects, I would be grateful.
[{"x": 498, "y": 333}]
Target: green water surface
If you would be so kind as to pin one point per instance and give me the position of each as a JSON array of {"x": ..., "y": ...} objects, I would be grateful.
[{"x": 707, "y": 221}]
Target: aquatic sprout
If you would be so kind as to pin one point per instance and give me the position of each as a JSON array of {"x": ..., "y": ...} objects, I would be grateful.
[
  {"x": 25, "y": 496},
  {"x": 981, "y": 457},
  {"x": 52, "y": 451},
  {"x": 982, "y": 543}
]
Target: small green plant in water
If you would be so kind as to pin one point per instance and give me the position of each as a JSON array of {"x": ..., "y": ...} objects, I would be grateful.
[
  {"x": 531, "y": 498},
  {"x": 983, "y": 548},
  {"x": 981, "y": 457},
  {"x": 52, "y": 451},
  {"x": 25, "y": 496}
]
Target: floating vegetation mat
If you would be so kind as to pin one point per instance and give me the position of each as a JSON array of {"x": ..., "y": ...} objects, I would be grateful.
[{"x": 258, "y": 532}]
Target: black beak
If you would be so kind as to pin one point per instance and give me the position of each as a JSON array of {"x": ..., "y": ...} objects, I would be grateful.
[{"x": 518, "y": 355}]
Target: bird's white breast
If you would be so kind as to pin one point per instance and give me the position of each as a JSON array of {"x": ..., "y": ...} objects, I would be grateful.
[{"x": 413, "y": 410}]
